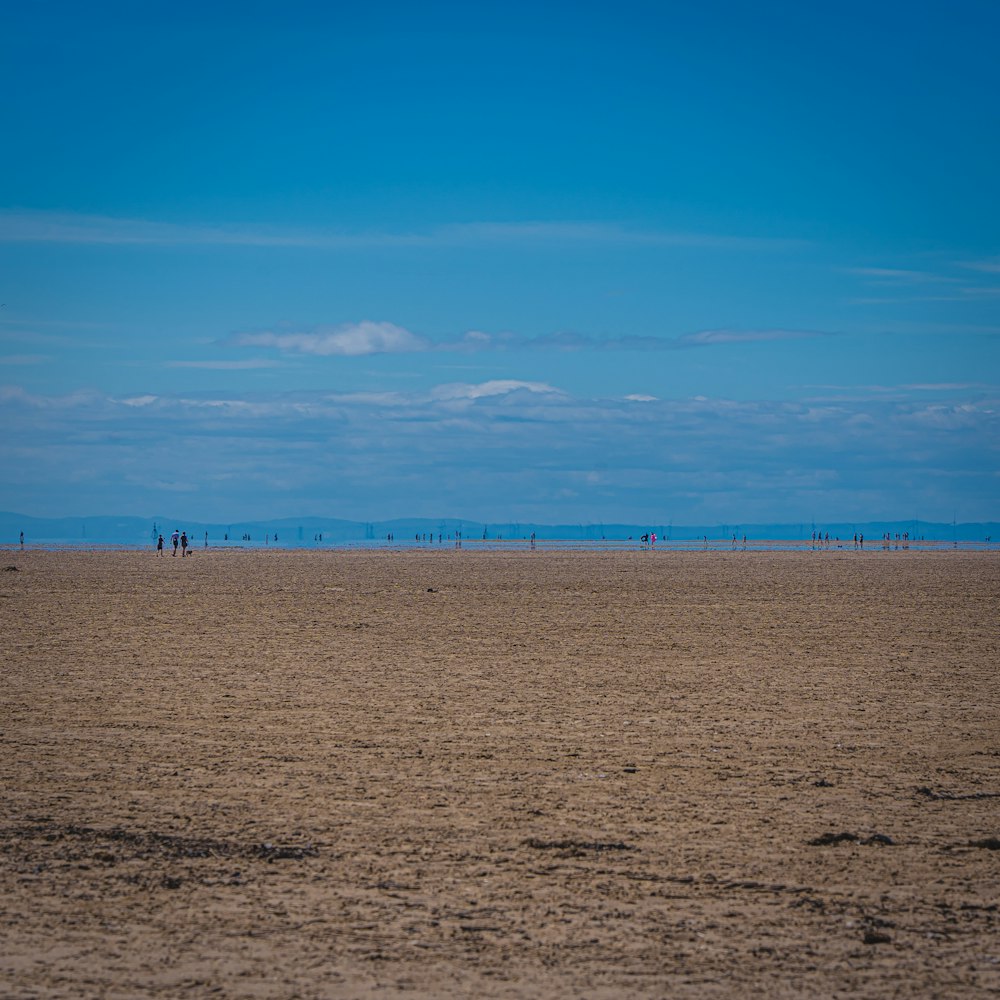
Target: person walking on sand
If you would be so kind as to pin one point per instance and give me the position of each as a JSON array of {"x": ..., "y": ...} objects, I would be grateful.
[
  {"x": 159, "y": 546},
  {"x": 174, "y": 539},
  {"x": 184, "y": 544}
]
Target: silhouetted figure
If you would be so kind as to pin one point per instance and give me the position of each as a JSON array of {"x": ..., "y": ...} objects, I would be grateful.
[
  {"x": 184, "y": 544},
  {"x": 159, "y": 546},
  {"x": 175, "y": 540},
  {"x": 22, "y": 539}
]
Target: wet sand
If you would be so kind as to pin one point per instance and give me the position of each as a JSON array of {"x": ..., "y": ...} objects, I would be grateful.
[{"x": 290, "y": 774}]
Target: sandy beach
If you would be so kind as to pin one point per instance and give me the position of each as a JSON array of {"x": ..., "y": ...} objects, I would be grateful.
[{"x": 489, "y": 774}]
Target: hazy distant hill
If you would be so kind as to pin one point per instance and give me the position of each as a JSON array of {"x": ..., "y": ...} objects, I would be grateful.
[{"x": 293, "y": 531}]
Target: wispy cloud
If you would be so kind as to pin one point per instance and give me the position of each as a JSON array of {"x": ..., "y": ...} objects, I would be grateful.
[
  {"x": 990, "y": 265},
  {"x": 68, "y": 228},
  {"x": 967, "y": 295},
  {"x": 348, "y": 340},
  {"x": 899, "y": 276},
  {"x": 912, "y": 285},
  {"x": 705, "y": 338},
  {"x": 912, "y": 387},
  {"x": 570, "y": 341},
  {"x": 946, "y": 386},
  {"x": 248, "y": 364},
  {"x": 369, "y": 337}
]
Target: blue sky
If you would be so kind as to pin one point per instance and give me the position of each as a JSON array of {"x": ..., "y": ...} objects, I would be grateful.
[{"x": 555, "y": 262}]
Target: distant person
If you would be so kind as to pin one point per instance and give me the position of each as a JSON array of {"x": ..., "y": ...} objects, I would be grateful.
[
  {"x": 184, "y": 544},
  {"x": 652, "y": 538},
  {"x": 159, "y": 546},
  {"x": 861, "y": 540},
  {"x": 22, "y": 539},
  {"x": 175, "y": 539},
  {"x": 206, "y": 539}
]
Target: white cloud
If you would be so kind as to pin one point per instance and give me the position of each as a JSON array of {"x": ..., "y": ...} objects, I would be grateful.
[
  {"x": 495, "y": 387},
  {"x": 368, "y": 337},
  {"x": 636, "y": 397},
  {"x": 247, "y": 365},
  {"x": 368, "y": 398},
  {"x": 348, "y": 340},
  {"x": 68, "y": 228},
  {"x": 707, "y": 337},
  {"x": 476, "y": 338}
]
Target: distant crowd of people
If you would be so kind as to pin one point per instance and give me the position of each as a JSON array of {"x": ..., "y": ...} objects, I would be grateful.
[{"x": 180, "y": 540}]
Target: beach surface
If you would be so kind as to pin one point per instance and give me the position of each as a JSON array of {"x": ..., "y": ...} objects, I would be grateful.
[{"x": 499, "y": 774}]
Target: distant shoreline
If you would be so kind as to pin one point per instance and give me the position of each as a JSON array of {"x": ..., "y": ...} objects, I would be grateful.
[{"x": 716, "y": 545}]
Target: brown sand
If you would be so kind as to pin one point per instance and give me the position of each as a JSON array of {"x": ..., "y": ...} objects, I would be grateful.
[{"x": 283, "y": 774}]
